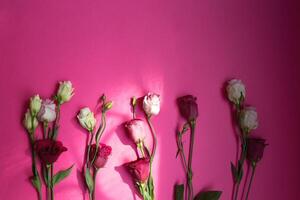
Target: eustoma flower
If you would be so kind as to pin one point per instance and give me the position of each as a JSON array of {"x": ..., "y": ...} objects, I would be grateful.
[
  {"x": 151, "y": 104},
  {"x": 47, "y": 112},
  {"x": 188, "y": 108},
  {"x": 65, "y": 92},
  {"x": 97, "y": 154},
  {"x": 136, "y": 130},
  {"x": 236, "y": 91},
  {"x": 35, "y": 104},
  {"x": 139, "y": 169},
  {"x": 49, "y": 150},
  {"x": 255, "y": 151},
  {"x": 102, "y": 154},
  {"x": 87, "y": 119},
  {"x": 248, "y": 119}
]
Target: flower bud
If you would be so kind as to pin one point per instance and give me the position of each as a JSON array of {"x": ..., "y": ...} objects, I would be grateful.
[
  {"x": 30, "y": 122},
  {"x": 35, "y": 104},
  {"x": 108, "y": 105}
]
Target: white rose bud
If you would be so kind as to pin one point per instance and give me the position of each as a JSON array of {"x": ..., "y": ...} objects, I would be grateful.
[
  {"x": 236, "y": 91},
  {"x": 65, "y": 92},
  {"x": 151, "y": 104},
  {"x": 30, "y": 122},
  {"x": 86, "y": 119},
  {"x": 48, "y": 111},
  {"x": 248, "y": 119},
  {"x": 35, "y": 104}
]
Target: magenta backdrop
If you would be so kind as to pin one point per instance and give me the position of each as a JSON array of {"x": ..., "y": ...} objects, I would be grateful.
[{"x": 126, "y": 48}]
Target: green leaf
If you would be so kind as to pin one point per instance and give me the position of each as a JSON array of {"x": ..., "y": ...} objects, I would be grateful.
[
  {"x": 234, "y": 172},
  {"x": 61, "y": 175},
  {"x": 89, "y": 180},
  {"x": 179, "y": 192},
  {"x": 36, "y": 182},
  {"x": 208, "y": 195}
]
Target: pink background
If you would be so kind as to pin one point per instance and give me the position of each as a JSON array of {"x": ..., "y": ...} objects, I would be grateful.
[{"x": 126, "y": 48}]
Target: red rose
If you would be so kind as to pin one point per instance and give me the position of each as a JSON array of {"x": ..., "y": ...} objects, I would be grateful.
[
  {"x": 49, "y": 150},
  {"x": 188, "y": 107},
  {"x": 255, "y": 149},
  {"x": 139, "y": 169},
  {"x": 102, "y": 154}
]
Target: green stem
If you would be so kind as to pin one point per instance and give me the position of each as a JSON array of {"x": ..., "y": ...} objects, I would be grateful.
[
  {"x": 56, "y": 123},
  {"x": 34, "y": 168},
  {"x": 95, "y": 178},
  {"x": 240, "y": 166},
  {"x": 52, "y": 189},
  {"x": 181, "y": 151},
  {"x": 99, "y": 134},
  {"x": 190, "y": 170},
  {"x": 153, "y": 151},
  {"x": 89, "y": 149},
  {"x": 251, "y": 180}
]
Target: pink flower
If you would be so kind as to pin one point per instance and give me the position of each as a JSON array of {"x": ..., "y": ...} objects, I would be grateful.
[
  {"x": 136, "y": 130},
  {"x": 139, "y": 169},
  {"x": 102, "y": 154}
]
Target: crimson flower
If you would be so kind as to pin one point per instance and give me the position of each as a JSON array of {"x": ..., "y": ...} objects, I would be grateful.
[
  {"x": 102, "y": 154},
  {"x": 139, "y": 169},
  {"x": 49, "y": 150},
  {"x": 255, "y": 149},
  {"x": 188, "y": 107}
]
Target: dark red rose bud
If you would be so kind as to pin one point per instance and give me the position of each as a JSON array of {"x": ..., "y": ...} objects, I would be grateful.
[
  {"x": 188, "y": 107},
  {"x": 49, "y": 150},
  {"x": 102, "y": 154},
  {"x": 139, "y": 169},
  {"x": 255, "y": 149}
]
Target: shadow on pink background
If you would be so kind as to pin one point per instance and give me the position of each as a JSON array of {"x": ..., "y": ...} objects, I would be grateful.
[{"x": 126, "y": 48}]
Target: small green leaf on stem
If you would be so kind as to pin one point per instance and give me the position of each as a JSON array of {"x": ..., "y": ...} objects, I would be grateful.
[
  {"x": 89, "y": 180},
  {"x": 234, "y": 172},
  {"x": 179, "y": 192},
  {"x": 36, "y": 182},
  {"x": 208, "y": 195},
  {"x": 59, "y": 176}
]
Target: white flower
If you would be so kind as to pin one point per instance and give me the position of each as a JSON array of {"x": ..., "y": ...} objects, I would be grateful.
[
  {"x": 236, "y": 91},
  {"x": 48, "y": 111},
  {"x": 30, "y": 122},
  {"x": 35, "y": 104},
  {"x": 86, "y": 119},
  {"x": 151, "y": 104},
  {"x": 248, "y": 119},
  {"x": 65, "y": 91}
]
